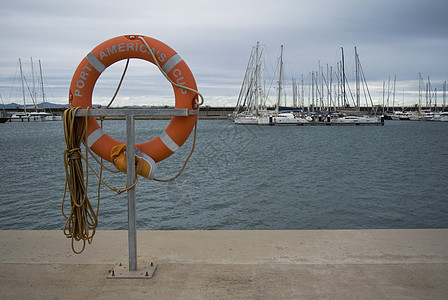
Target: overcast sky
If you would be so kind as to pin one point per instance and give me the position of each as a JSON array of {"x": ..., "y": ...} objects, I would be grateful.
[{"x": 394, "y": 38}]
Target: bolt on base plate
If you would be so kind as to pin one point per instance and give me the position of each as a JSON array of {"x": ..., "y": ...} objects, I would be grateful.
[{"x": 121, "y": 271}]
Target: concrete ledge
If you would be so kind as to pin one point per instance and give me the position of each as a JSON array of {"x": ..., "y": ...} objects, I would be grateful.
[{"x": 337, "y": 264}]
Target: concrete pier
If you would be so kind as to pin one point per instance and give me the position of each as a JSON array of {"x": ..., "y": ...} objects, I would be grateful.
[{"x": 323, "y": 264}]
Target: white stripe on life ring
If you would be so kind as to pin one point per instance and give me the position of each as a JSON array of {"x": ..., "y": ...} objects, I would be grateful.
[
  {"x": 94, "y": 137},
  {"x": 169, "y": 142},
  {"x": 95, "y": 62},
  {"x": 171, "y": 63}
]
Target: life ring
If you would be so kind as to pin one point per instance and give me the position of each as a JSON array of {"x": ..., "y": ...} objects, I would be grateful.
[{"x": 177, "y": 131}]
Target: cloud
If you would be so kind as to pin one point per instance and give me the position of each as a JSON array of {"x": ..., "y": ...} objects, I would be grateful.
[{"x": 396, "y": 37}]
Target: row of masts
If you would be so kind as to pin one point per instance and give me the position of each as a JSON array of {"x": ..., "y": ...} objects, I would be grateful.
[
  {"x": 34, "y": 91},
  {"x": 330, "y": 89},
  {"x": 326, "y": 92},
  {"x": 430, "y": 94},
  {"x": 427, "y": 95}
]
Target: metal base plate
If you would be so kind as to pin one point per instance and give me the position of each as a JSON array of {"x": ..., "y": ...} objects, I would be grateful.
[{"x": 121, "y": 271}]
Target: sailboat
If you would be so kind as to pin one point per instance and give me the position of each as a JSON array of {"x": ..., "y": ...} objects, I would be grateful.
[
  {"x": 251, "y": 105},
  {"x": 284, "y": 118},
  {"x": 352, "y": 118},
  {"x": 32, "y": 116}
]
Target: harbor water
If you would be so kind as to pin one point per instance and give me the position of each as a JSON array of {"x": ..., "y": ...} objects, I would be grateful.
[{"x": 245, "y": 177}]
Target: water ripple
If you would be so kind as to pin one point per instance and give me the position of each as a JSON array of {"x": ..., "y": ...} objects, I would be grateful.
[{"x": 246, "y": 177}]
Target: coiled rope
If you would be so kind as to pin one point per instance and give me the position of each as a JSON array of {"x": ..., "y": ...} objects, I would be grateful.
[{"x": 82, "y": 220}]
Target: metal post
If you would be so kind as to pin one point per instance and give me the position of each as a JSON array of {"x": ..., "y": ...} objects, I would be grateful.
[
  {"x": 132, "y": 223},
  {"x": 120, "y": 271}
]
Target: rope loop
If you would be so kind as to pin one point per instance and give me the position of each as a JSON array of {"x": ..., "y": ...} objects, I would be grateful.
[{"x": 197, "y": 102}]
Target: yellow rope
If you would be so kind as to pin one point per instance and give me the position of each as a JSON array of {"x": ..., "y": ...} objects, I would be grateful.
[
  {"x": 186, "y": 160},
  {"x": 197, "y": 103},
  {"x": 118, "y": 87},
  {"x": 82, "y": 220},
  {"x": 117, "y": 190}
]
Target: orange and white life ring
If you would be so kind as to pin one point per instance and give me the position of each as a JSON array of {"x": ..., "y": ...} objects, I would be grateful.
[{"x": 178, "y": 130}]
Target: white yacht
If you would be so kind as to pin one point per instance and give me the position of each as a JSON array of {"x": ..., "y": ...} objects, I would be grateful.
[
  {"x": 29, "y": 117},
  {"x": 288, "y": 118},
  {"x": 358, "y": 120}
]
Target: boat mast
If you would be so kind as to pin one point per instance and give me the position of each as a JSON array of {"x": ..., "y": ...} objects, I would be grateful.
[
  {"x": 262, "y": 82},
  {"x": 294, "y": 93},
  {"x": 303, "y": 95},
  {"x": 280, "y": 79},
  {"x": 34, "y": 94},
  {"x": 23, "y": 86},
  {"x": 393, "y": 95},
  {"x": 444, "y": 95},
  {"x": 322, "y": 98},
  {"x": 338, "y": 77},
  {"x": 312, "y": 90},
  {"x": 330, "y": 91},
  {"x": 317, "y": 75},
  {"x": 257, "y": 71},
  {"x": 357, "y": 79},
  {"x": 388, "y": 95},
  {"x": 435, "y": 99},
  {"x": 42, "y": 83},
  {"x": 344, "y": 95},
  {"x": 384, "y": 83},
  {"x": 419, "y": 91}
]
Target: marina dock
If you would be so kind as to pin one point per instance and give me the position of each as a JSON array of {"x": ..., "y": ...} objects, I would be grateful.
[{"x": 255, "y": 264}]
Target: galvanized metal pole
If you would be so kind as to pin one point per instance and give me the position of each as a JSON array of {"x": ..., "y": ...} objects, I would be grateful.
[
  {"x": 132, "y": 220},
  {"x": 120, "y": 271}
]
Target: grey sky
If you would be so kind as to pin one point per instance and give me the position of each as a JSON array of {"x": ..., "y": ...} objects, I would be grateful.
[{"x": 393, "y": 37}]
